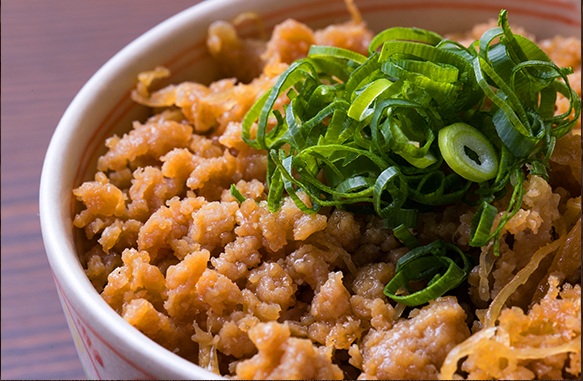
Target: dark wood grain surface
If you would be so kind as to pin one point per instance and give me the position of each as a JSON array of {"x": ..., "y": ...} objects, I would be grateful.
[{"x": 49, "y": 50}]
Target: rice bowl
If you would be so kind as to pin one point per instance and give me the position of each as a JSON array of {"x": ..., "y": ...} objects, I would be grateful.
[{"x": 89, "y": 312}]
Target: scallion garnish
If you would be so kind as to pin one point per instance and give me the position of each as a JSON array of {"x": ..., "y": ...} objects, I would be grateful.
[
  {"x": 408, "y": 128},
  {"x": 434, "y": 263},
  {"x": 468, "y": 152},
  {"x": 404, "y": 235},
  {"x": 236, "y": 193}
]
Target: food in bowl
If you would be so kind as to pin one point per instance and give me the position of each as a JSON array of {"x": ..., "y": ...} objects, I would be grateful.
[{"x": 187, "y": 243}]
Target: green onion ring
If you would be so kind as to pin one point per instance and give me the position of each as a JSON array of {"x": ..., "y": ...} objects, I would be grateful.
[{"x": 453, "y": 141}]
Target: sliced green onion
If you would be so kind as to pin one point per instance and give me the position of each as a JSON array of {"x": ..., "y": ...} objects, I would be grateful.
[
  {"x": 437, "y": 72},
  {"x": 482, "y": 223},
  {"x": 360, "y": 108},
  {"x": 392, "y": 181},
  {"x": 406, "y": 34},
  {"x": 411, "y": 128},
  {"x": 404, "y": 235},
  {"x": 432, "y": 263},
  {"x": 455, "y": 140},
  {"x": 321, "y": 51},
  {"x": 435, "y": 188},
  {"x": 406, "y": 217},
  {"x": 410, "y": 137},
  {"x": 237, "y": 194},
  {"x": 369, "y": 68}
]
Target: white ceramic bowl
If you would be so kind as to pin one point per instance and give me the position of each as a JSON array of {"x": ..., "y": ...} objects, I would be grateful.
[{"x": 108, "y": 346}]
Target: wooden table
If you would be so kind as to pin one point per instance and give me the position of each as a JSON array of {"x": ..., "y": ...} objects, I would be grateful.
[{"x": 49, "y": 50}]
